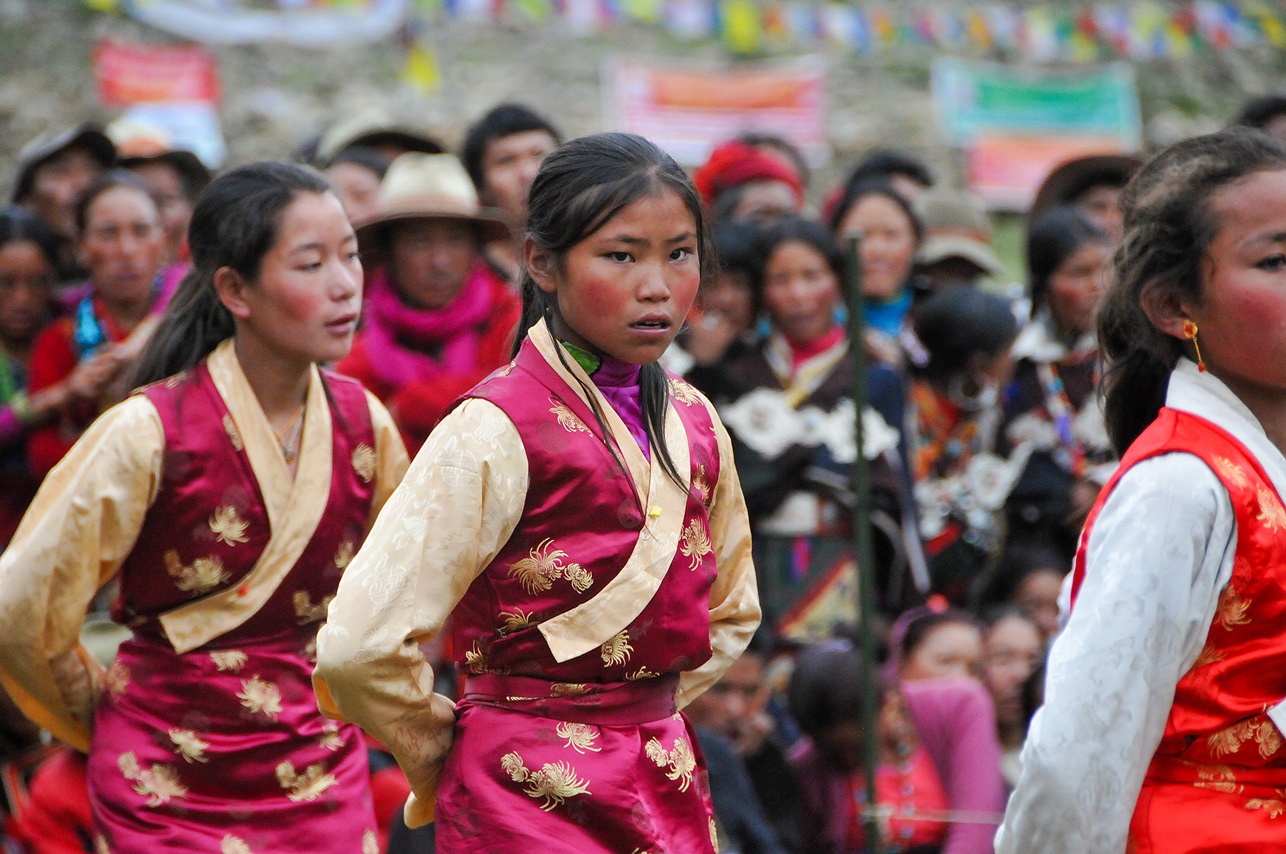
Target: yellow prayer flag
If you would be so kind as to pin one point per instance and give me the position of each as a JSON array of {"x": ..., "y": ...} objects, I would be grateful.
[
  {"x": 421, "y": 69},
  {"x": 742, "y": 31}
]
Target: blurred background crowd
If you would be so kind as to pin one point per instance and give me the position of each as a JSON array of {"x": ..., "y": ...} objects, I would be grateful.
[{"x": 983, "y": 430}]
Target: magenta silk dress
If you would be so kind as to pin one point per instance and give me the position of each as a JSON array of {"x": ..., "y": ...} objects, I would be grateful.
[
  {"x": 589, "y": 754},
  {"x": 221, "y": 748}
]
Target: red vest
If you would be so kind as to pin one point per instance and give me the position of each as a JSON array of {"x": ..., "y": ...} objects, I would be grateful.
[
  {"x": 208, "y": 524},
  {"x": 1218, "y": 773},
  {"x": 580, "y": 523}
]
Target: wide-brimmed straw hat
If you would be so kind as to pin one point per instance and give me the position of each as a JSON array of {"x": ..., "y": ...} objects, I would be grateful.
[
  {"x": 1073, "y": 177},
  {"x": 139, "y": 142},
  {"x": 956, "y": 225},
  {"x": 42, "y": 148},
  {"x": 373, "y": 128},
  {"x": 430, "y": 186}
]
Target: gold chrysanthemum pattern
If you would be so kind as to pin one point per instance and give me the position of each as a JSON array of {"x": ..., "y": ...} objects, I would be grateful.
[
  {"x": 567, "y": 689},
  {"x": 616, "y": 650},
  {"x": 364, "y": 462},
  {"x": 516, "y": 620},
  {"x": 234, "y": 845},
  {"x": 158, "y": 783},
  {"x": 229, "y": 660},
  {"x": 1217, "y": 778},
  {"x": 233, "y": 435},
  {"x": 566, "y": 418},
  {"x": 201, "y": 576},
  {"x": 344, "y": 556},
  {"x": 227, "y": 525},
  {"x": 641, "y": 673},
  {"x": 578, "y": 736},
  {"x": 553, "y": 784},
  {"x": 306, "y": 611},
  {"x": 188, "y": 745},
  {"x": 1230, "y": 739},
  {"x": 1232, "y": 610},
  {"x": 307, "y": 786},
  {"x": 370, "y": 842},
  {"x": 683, "y": 392},
  {"x": 260, "y": 697},
  {"x": 330, "y": 739},
  {"x": 544, "y": 565},
  {"x": 1270, "y": 511},
  {"x": 1230, "y": 472},
  {"x": 679, "y": 763},
  {"x": 701, "y": 485},
  {"x": 695, "y": 543}
]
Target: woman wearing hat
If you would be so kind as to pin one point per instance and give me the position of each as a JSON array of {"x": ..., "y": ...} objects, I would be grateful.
[{"x": 438, "y": 318}]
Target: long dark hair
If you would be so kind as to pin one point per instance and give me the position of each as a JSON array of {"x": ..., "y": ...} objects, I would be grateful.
[
  {"x": 1052, "y": 238},
  {"x": 234, "y": 225},
  {"x": 579, "y": 187},
  {"x": 1168, "y": 229},
  {"x": 18, "y": 226}
]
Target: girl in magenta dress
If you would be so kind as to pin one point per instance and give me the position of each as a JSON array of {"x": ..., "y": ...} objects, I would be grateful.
[
  {"x": 578, "y": 517},
  {"x": 226, "y": 497}
]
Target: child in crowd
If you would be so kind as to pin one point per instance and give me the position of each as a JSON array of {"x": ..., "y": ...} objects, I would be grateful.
[
  {"x": 579, "y": 518},
  {"x": 226, "y": 497},
  {"x": 1162, "y": 724}
]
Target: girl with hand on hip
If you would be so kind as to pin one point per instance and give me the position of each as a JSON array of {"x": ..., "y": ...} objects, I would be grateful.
[{"x": 578, "y": 517}]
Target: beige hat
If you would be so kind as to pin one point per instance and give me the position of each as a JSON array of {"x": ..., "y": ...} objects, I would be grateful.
[
  {"x": 141, "y": 142},
  {"x": 430, "y": 186},
  {"x": 373, "y": 127},
  {"x": 956, "y": 225}
]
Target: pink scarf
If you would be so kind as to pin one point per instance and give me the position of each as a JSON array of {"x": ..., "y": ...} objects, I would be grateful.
[{"x": 399, "y": 338}]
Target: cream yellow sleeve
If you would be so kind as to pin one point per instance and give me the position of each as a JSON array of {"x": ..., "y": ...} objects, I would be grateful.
[
  {"x": 734, "y": 597},
  {"x": 458, "y": 505},
  {"x": 77, "y": 532},
  {"x": 390, "y": 455}
]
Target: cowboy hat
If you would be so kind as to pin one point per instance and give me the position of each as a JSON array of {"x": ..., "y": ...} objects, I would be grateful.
[
  {"x": 430, "y": 186},
  {"x": 373, "y": 128},
  {"x": 52, "y": 142},
  {"x": 956, "y": 225}
]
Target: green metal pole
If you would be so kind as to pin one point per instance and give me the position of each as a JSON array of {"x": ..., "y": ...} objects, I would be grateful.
[{"x": 863, "y": 550}]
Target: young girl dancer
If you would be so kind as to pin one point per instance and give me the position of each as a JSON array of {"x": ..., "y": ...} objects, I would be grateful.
[
  {"x": 227, "y": 499},
  {"x": 1162, "y": 725},
  {"x": 579, "y": 518}
]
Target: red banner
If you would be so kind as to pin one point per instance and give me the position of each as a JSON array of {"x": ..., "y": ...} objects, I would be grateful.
[{"x": 146, "y": 74}]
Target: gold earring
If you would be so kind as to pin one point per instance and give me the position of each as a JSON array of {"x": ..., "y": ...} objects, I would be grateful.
[{"x": 1190, "y": 332}]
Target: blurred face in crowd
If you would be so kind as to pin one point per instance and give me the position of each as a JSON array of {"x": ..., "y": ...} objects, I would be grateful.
[
  {"x": 765, "y": 201},
  {"x": 304, "y": 304},
  {"x": 431, "y": 259},
  {"x": 1011, "y": 654},
  {"x": 730, "y": 295},
  {"x": 1076, "y": 287},
  {"x": 166, "y": 184},
  {"x": 1037, "y": 594},
  {"x": 122, "y": 245},
  {"x": 731, "y": 704},
  {"x": 58, "y": 183},
  {"x": 888, "y": 245},
  {"x": 509, "y": 165},
  {"x": 358, "y": 188},
  {"x": 843, "y": 743},
  {"x": 948, "y": 650},
  {"x": 26, "y": 283},
  {"x": 1103, "y": 204},
  {"x": 801, "y": 292}
]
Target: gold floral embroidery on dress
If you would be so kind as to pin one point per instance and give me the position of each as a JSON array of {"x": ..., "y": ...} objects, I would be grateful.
[
  {"x": 189, "y": 745},
  {"x": 567, "y": 689},
  {"x": 680, "y": 761},
  {"x": 230, "y": 660},
  {"x": 1218, "y": 778},
  {"x": 1209, "y": 655},
  {"x": 117, "y": 678},
  {"x": 516, "y": 620},
  {"x": 701, "y": 485},
  {"x": 566, "y": 418},
  {"x": 330, "y": 739},
  {"x": 370, "y": 842},
  {"x": 1231, "y": 609},
  {"x": 100, "y": 845},
  {"x": 714, "y": 834},
  {"x": 617, "y": 650},
  {"x": 306, "y": 612},
  {"x": 1231, "y": 472},
  {"x": 234, "y": 845},
  {"x": 227, "y": 526},
  {"x": 695, "y": 543},
  {"x": 683, "y": 392},
  {"x": 1270, "y": 511},
  {"x": 233, "y": 436},
  {"x": 475, "y": 659},
  {"x": 307, "y": 786},
  {"x": 1230, "y": 739},
  {"x": 542, "y": 567},
  {"x": 1273, "y": 806},
  {"x": 344, "y": 556},
  {"x": 204, "y": 574},
  {"x": 260, "y": 697},
  {"x": 158, "y": 784},
  {"x": 641, "y": 673},
  {"x": 580, "y": 737},
  {"x": 554, "y": 783},
  {"x": 364, "y": 462}
]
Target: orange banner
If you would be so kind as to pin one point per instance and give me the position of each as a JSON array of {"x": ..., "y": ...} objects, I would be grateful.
[{"x": 148, "y": 74}]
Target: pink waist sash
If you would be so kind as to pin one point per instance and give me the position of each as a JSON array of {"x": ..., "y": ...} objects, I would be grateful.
[{"x": 598, "y": 703}]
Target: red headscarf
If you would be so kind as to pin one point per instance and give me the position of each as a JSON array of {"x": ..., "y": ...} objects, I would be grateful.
[{"x": 736, "y": 163}]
